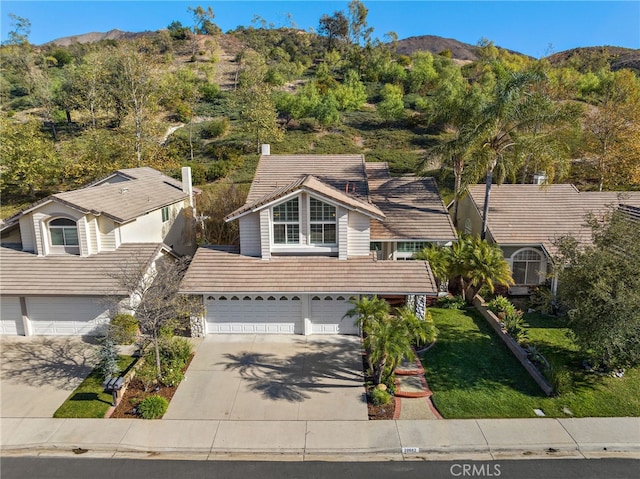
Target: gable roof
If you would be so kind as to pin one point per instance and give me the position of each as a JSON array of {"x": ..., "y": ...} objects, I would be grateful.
[
  {"x": 26, "y": 274},
  {"x": 216, "y": 271},
  {"x": 135, "y": 192},
  {"x": 532, "y": 214},
  {"x": 310, "y": 184},
  {"x": 412, "y": 206}
]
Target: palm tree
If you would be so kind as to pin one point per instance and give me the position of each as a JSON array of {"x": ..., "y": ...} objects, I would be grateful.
[
  {"x": 470, "y": 263},
  {"x": 387, "y": 339},
  {"x": 485, "y": 265}
]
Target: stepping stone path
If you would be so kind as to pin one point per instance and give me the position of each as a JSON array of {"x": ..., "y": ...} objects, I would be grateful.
[{"x": 413, "y": 396}]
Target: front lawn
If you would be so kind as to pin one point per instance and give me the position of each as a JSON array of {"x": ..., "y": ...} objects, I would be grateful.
[
  {"x": 89, "y": 399},
  {"x": 473, "y": 375}
]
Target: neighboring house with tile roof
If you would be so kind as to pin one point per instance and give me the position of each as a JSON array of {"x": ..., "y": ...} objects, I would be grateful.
[
  {"x": 315, "y": 231},
  {"x": 526, "y": 221},
  {"x": 60, "y": 256}
]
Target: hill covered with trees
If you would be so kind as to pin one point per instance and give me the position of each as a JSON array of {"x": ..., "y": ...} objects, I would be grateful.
[{"x": 191, "y": 94}]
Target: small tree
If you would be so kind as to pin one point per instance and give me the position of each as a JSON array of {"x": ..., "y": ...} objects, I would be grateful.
[
  {"x": 599, "y": 287},
  {"x": 153, "y": 297},
  {"x": 108, "y": 358}
]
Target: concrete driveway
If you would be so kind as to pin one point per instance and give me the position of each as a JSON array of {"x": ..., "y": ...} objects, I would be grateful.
[
  {"x": 37, "y": 374},
  {"x": 273, "y": 377}
]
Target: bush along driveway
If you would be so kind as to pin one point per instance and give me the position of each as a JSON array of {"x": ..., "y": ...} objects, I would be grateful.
[{"x": 473, "y": 375}]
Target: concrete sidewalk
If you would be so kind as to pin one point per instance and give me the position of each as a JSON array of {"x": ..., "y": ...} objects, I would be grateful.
[{"x": 479, "y": 439}]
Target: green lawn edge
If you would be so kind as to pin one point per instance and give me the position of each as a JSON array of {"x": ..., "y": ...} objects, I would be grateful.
[
  {"x": 89, "y": 400},
  {"x": 472, "y": 374}
]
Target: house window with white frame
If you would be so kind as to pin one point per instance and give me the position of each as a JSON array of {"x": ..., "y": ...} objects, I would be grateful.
[
  {"x": 64, "y": 232},
  {"x": 322, "y": 227},
  {"x": 286, "y": 222},
  {"x": 527, "y": 268},
  {"x": 411, "y": 246}
]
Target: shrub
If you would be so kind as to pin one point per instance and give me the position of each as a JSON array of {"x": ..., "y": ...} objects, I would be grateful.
[
  {"x": 515, "y": 325},
  {"x": 146, "y": 373},
  {"x": 542, "y": 300},
  {"x": 210, "y": 91},
  {"x": 123, "y": 329},
  {"x": 153, "y": 407},
  {"x": 172, "y": 372},
  {"x": 175, "y": 348},
  {"x": 215, "y": 129},
  {"x": 451, "y": 302},
  {"x": 108, "y": 359},
  {"x": 380, "y": 397},
  {"x": 499, "y": 304},
  {"x": 561, "y": 380}
]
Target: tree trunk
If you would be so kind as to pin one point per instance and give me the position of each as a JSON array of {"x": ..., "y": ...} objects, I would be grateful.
[
  {"x": 156, "y": 346},
  {"x": 487, "y": 195},
  {"x": 458, "y": 166}
]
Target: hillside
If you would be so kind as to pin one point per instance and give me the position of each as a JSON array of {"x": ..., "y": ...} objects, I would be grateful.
[
  {"x": 435, "y": 45},
  {"x": 95, "y": 37},
  {"x": 593, "y": 58}
]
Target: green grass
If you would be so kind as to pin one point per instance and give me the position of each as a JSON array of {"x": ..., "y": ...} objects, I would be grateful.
[
  {"x": 473, "y": 375},
  {"x": 89, "y": 399}
]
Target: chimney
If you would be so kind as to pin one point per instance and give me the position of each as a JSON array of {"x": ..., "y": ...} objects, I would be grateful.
[
  {"x": 266, "y": 149},
  {"x": 540, "y": 178},
  {"x": 187, "y": 186}
]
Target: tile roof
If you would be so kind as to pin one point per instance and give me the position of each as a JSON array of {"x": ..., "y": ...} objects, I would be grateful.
[
  {"x": 413, "y": 208},
  {"x": 27, "y": 274},
  {"x": 312, "y": 184},
  {"x": 141, "y": 191},
  {"x": 146, "y": 191},
  {"x": 215, "y": 271},
  {"x": 532, "y": 214},
  {"x": 339, "y": 171}
]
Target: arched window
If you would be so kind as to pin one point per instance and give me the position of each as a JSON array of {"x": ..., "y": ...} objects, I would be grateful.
[
  {"x": 528, "y": 267},
  {"x": 64, "y": 232}
]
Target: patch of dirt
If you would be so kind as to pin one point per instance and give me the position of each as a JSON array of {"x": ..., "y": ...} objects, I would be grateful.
[
  {"x": 126, "y": 408},
  {"x": 381, "y": 412}
]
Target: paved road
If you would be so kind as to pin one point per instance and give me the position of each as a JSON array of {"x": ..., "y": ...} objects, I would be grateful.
[{"x": 81, "y": 468}]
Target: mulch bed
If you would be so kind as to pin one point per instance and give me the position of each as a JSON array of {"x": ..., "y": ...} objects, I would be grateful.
[
  {"x": 381, "y": 412},
  {"x": 136, "y": 393}
]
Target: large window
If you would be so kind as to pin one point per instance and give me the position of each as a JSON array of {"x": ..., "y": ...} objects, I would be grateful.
[
  {"x": 322, "y": 226},
  {"x": 527, "y": 267},
  {"x": 286, "y": 222},
  {"x": 411, "y": 246},
  {"x": 64, "y": 232}
]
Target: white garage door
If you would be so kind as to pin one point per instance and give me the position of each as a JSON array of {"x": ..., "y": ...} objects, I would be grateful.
[
  {"x": 66, "y": 315},
  {"x": 274, "y": 314},
  {"x": 328, "y": 315},
  {"x": 11, "y": 316}
]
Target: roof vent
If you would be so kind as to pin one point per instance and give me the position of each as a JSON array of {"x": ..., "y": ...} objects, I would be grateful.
[{"x": 123, "y": 190}]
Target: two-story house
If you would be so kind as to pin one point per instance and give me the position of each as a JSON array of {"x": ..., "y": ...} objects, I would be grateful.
[
  {"x": 315, "y": 231},
  {"x": 61, "y": 257}
]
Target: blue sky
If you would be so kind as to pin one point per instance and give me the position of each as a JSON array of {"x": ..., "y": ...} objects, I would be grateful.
[{"x": 535, "y": 28}]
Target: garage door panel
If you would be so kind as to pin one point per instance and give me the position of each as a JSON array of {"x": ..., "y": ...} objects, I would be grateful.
[
  {"x": 250, "y": 315},
  {"x": 328, "y": 315},
  {"x": 67, "y": 316},
  {"x": 11, "y": 316}
]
